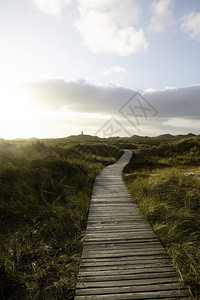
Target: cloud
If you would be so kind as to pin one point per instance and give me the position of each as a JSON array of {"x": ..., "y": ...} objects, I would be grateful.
[
  {"x": 162, "y": 15},
  {"x": 176, "y": 102},
  {"x": 107, "y": 26},
  {"x": 191, "y": 25},
  {"x": 114, "y": 70},
  {"x": 184, "y": 123},
  {"x": 150, "y": 90},
  {"x": 78, "y": 104},
  {"x": 52, "y": 7},
  {"x": 80, "y": 96}
]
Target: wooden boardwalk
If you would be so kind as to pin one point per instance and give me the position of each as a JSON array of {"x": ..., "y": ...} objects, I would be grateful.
[{"x": 122, "y": 257}]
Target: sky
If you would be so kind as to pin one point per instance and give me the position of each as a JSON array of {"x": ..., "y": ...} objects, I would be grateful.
[{"x": 104, "y": 67}]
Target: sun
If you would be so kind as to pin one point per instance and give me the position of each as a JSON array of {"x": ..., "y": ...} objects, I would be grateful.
[{"x": 18, "y": 112}]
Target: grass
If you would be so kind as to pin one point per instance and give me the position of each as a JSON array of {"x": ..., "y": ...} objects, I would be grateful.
[
  {"x": 45, "y": 194},
  {"x": 170, "y": 202},
  {"x": 41, "y": 240}
]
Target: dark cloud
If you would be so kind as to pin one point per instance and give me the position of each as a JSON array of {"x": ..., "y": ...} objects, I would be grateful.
[
  {"x": 80, "y": 96},
  {"x": 181, "y": 102}
]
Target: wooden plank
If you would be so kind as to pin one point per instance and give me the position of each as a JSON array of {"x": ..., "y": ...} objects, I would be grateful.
[
  {"x": 129, "y": 289},
  {"x": 122, "y": 257},
  {"x": 122, "y": 241},
  {"x": 111, "y": 218},
  {"x": 120, "y": 277},
  {"x": 125, "y": 271},
  {"x": 131, "y": 246},
  {"x": 127, "y": 282},
  {"x": 121, "y": 253},
  {"x": 120, "y": 233},
  {"x": 175, "y": 294},
  {"x": 111, "y": 228},
  {"x": 113, "y": 222},
  {"x": 114, "y": 227},
  {"x": 118, "y": 238},
  {"x": 106, "y": 214},
  {"x": 131, "y": 266},
  {"x": 145, "y": 257},
  {"x": 93, "y": 262}
]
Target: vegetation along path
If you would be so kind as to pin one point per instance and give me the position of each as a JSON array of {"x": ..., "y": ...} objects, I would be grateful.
[{"x": 122, "y": 257}]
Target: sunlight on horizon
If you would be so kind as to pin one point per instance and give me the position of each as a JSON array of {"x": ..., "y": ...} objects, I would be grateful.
[
  {"x": 18, "y": 112},
  {"x": 23, "y": 116}
]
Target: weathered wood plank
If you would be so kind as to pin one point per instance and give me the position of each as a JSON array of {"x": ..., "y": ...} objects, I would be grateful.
[
  {"x": 122, "y": 257},
  {"x": 119, "y": 229},
  {"x": 120, "y": 253},
  {"x": 125, "y": 271},
  {"x": 127, "y": 282},
  {"x": 120, "y": 277},
  {"x": 129, "y": 289},
  {"x": 134, "y": 225},
  {"x": 122, "y": 241},
  {"x": 125, "y": 267},
  {"x": 118, "y": 238},
  {"x": 131, "y": 246},
  {"x": 175, "y": 294},
  {"x": 94, "y": 263}
]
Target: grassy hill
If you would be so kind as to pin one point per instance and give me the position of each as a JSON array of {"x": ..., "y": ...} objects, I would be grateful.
[
  {"x": 164, "y": 180},
  {"x": 44, "y": 200},
  {"x": 45, "y": 194}
]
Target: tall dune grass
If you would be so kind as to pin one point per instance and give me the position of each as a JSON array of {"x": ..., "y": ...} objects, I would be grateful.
[
  {"x": 170, "y": 201},
  {"x": 41, "y": 241}
]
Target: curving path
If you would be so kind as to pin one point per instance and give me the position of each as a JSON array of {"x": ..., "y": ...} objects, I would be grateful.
[{"x": 122, "y": 257}]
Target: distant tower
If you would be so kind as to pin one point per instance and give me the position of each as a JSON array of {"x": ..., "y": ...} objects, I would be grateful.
[{"x": 82, "y": 132}]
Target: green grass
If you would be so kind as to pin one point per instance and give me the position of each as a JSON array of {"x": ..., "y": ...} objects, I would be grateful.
[
  {"x": 170, "y": 202},
  {"x": 41, "y": 241}
]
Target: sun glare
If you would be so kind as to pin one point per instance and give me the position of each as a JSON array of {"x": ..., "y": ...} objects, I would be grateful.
[
  {"x": 18, "y": 112},
  {"x": 24, "y": 116}
]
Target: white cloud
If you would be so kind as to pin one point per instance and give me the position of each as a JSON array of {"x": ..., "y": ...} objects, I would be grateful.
[
  {"x": 150, "y": 90},
  {"x": 162, "y": 15},
  {"x": 184, "y": 123},
  {"x": 191, "y": 25},
  {"x": 52, "y": 7},
  {"x": 106, "y": 26},
  {"x": 114, "y": 70}
]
